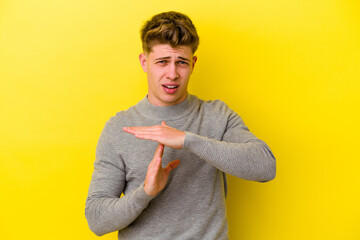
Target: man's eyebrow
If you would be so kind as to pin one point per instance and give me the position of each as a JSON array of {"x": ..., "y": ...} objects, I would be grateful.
[
  {"x": 164, "y": 58},
  {"x": 182, "y": 58}
]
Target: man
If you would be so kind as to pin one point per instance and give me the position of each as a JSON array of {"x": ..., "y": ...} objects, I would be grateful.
[{"x": 197, "y": 141}]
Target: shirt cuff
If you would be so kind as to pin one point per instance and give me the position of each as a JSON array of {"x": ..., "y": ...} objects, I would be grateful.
[{"x": 141, "y": 198}]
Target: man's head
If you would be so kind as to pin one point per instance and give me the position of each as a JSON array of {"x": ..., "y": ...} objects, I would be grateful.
[{"x": 169, "y": 42}]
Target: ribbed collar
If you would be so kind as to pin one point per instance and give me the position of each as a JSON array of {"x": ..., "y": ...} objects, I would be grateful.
[{"x": 167, "y": 113}]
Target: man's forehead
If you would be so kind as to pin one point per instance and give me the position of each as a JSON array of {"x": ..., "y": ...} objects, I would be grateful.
[{"x": 166, "y": 50}]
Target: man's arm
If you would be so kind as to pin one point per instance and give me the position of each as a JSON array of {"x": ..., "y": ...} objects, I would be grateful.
[
  {"x": 240, "y": 153},
  {"x": 105, "y": 211},
  {"x": 252, "y": 160}
]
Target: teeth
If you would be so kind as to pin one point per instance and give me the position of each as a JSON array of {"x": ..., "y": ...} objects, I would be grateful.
[{"x": 170, "y": 86}]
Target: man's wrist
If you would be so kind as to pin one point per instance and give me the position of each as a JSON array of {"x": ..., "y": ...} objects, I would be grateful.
[{"x": 149, "y": 193}]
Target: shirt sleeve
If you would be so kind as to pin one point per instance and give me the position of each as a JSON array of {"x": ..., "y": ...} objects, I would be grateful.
[
  {"x": 240, "y": 153},
  {"x": 105, "y": 211}
]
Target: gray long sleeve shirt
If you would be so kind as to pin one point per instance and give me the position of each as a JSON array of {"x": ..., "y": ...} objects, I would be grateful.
[{"x": 192, "y": 205}]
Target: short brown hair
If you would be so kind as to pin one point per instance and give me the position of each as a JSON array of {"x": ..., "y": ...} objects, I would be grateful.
[{"x": 172, "y": 28}]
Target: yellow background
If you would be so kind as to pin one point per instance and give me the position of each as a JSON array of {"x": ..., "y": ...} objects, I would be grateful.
[{"x": 291, "y": 69}]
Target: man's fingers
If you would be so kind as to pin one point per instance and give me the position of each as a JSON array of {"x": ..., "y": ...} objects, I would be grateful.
[
  {"x": 162, "y": 134},
  {"x": 135, "y": 129},
  {"x": 156, "y": 161},
  {"x": 159, "y": 151},
  {"x": 155, "y": 128},
  {"x": 149, "y": 133},
  {"x": 128, "y": 130},
  {"x": 146, "y": 136},
  {"x": 172, "y": 165}
]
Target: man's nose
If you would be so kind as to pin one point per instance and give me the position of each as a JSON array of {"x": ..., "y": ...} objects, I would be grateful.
[{"x": 172, "y": 72}]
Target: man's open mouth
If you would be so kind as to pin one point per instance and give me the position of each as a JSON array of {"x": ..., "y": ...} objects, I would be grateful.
[{"x": 170, "y": 86}]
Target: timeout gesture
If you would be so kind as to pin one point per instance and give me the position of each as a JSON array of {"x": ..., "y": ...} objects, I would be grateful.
[
  {"x": 157, "y": 176},
  {"x": 163, "y": 134}
]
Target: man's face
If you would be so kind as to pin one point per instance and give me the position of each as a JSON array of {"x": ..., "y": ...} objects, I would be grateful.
[{"x": 168, "y": 72}]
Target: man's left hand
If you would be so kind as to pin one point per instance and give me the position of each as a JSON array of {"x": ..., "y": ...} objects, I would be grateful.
[{"x": 162, "y": 134}]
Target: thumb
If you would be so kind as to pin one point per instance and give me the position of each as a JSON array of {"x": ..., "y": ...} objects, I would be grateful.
[{"x": 172, "y": 165}]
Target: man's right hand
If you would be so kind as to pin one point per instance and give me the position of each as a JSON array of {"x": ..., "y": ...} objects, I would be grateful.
[{"x": 157, "y": 176}]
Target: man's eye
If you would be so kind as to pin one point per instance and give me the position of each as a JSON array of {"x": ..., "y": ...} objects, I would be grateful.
[
  {"x": 183, "y": 62},
  {"x": 161, "y": 62}
]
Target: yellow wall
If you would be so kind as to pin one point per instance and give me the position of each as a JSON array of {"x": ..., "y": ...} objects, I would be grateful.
[{"x": 289, "y": 68}]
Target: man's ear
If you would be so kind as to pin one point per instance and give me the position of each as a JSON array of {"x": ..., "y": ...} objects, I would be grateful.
[
  {"x": 142, "y": 58},
  {"x": 194, "y": 61}
]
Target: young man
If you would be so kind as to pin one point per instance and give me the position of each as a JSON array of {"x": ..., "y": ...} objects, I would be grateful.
[{"x": 198, "y": 142}]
